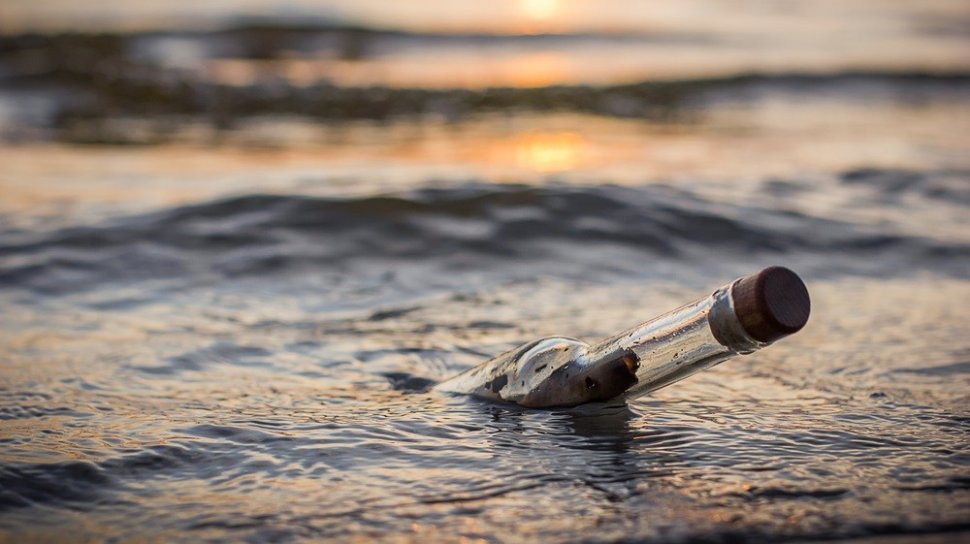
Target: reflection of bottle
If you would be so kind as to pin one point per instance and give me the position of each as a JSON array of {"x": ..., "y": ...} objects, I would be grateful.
[{"x": 741, "y": 317}]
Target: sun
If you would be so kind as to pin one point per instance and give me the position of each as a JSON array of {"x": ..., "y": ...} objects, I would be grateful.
[{"x": 541, "y": 10}]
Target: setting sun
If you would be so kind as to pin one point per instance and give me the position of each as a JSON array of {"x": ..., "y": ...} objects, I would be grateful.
[{"x": 541, "y": 10}]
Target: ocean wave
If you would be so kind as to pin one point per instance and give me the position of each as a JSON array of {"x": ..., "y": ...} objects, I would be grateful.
[
  {"x": 475, "y": 227},
  {"x": 102, "y": 111}
]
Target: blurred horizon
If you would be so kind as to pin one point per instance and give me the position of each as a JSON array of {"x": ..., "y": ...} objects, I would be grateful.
[
  {"x": 96, "y": 65},
  {"x": 500, "y": 16},
  {"x": 629, "y": 91},
  {"x": 510, "y": 43}
]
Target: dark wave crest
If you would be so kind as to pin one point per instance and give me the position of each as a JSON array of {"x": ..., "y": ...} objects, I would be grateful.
[{"x": 481, "y": 228}]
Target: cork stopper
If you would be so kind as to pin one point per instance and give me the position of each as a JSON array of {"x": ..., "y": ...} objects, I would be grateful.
[{"x": 771, "y": 304}]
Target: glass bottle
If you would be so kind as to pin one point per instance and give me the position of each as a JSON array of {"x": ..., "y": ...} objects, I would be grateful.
[{"x": 741, "y": 317}]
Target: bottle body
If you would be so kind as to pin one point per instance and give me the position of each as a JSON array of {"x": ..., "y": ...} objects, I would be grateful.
[
  {"x": 741, "y": 317},
  {"x": 682, "y": 342}
]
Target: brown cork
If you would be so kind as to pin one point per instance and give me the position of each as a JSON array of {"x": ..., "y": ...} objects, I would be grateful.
[{"x": 771, "y": 304}]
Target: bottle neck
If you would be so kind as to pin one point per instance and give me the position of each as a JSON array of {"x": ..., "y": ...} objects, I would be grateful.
[
  {"x": 725, "y": 325},
  {"x": 679, "y": 343}
]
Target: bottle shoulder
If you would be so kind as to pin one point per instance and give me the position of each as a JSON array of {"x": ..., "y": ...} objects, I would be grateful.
[{"x": 552, "y": 371}]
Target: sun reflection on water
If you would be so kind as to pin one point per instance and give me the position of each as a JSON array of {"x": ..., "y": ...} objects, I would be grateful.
[{"x": 549, "y": 151}]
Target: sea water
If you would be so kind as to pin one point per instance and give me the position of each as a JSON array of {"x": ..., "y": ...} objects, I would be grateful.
[{"x": 229, "y": 332}]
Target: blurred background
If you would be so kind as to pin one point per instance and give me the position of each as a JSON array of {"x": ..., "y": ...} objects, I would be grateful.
[
  {"x": 238, "y": 238},
  {"x": 514, "y": 90}
]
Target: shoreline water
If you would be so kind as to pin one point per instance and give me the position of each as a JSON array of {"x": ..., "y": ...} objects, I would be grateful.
[{"x": 231, "y": 261}]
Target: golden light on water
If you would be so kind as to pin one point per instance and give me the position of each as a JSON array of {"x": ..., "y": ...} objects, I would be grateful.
[
  {"x": 533, "y": 70},
  {"x": 549, "y": 151}
]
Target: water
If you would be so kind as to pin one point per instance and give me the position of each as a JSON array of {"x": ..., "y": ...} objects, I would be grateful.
[{"x": 222, "y": 324}]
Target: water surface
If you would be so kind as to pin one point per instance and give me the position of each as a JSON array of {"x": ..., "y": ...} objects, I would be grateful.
[{"x": 220, "y": 324}]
